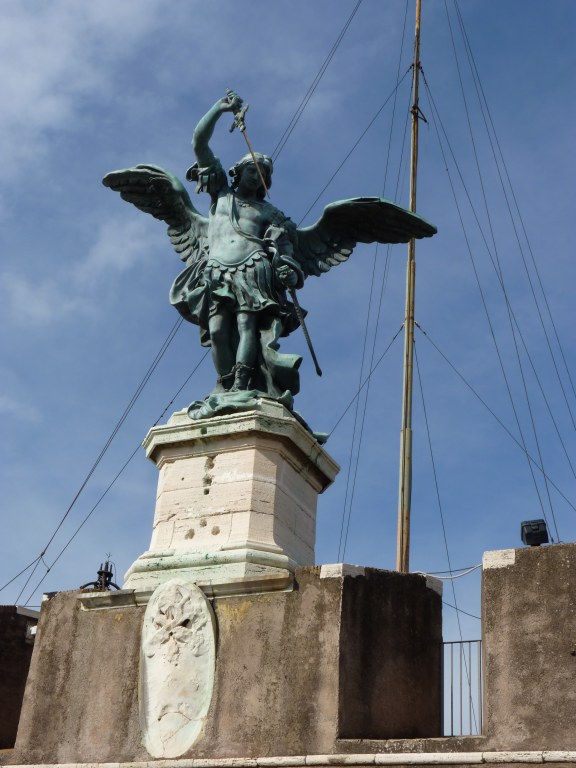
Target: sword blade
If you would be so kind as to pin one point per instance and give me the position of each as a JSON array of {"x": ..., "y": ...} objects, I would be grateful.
[{"x": 300, "y": 316}]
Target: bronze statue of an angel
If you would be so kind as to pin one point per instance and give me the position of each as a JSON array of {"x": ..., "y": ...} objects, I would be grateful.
[{"x": 244, "y": 259}]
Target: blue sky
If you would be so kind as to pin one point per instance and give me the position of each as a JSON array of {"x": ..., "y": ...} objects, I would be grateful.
[{"x": 90, "y": 87}]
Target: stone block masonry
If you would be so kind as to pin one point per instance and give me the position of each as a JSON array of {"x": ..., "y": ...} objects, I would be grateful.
[
  {"x": 15, "y": 653},
  {"x": 529, "y": 631},
  {"x": 293, "y": 669},
  {"x": 236, "y": 500}
]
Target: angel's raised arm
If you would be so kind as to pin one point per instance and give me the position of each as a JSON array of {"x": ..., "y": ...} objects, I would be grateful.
[{"x": 205, "y": 128}]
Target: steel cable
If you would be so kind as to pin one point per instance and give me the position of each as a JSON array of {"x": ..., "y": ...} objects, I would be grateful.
[
  {"x": 487, "y": 116},
  {"x": 159, "y": 355},
  {"x": 435, "y": 118},
  {"x": 315, "y": 82},
  {"x": 108, "y": 488},
  {"x": 496, "y": 417},
  {"x": 501, "y": 276},
  {"x": 444, "y": 534},
  {"x": 352, "y": 473}
]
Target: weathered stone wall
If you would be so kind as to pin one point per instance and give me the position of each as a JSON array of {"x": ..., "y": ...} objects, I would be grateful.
[
  {"x": 277, "y": 671},
  {"x": 337, "y": 666},
  {"x": 82, "y": 687},
  {"x": 389, "y": 680},
  {"x": 291, "y": 670},
  {"x": 529, "y": 629},
  {"x": 15, "y": 655}
]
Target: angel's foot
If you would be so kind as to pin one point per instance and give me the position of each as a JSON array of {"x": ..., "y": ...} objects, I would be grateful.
[
  {"x": 242, "y": 374},
  {"x": 225, "y": 382}
]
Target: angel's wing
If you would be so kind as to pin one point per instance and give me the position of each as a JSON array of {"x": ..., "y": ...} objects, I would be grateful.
[
  {"x": 156, "y": 191},
  {"x": 347, "y": 222}
]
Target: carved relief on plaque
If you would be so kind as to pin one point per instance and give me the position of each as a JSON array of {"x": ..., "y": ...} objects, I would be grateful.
[{"x": 177, "y": 661}]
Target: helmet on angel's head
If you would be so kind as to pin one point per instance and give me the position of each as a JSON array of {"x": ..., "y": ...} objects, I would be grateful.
[{"x": 265, "y": 165}]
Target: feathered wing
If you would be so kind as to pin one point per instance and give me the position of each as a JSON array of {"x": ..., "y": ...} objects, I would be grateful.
[
  {"x": 156, "y": 191},
  {"x": 346, "y": 223}
]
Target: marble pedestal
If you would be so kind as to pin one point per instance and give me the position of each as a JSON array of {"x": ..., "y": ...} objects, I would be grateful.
[{"x": 236, "y": 503}]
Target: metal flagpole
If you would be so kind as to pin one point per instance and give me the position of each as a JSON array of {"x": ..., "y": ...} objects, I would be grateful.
[{"x": 405, "y": 484}]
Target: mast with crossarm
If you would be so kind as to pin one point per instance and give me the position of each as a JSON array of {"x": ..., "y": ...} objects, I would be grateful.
[{"x": 405, "y": 484}]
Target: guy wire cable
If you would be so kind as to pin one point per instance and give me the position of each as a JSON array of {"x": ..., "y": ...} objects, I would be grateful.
[
  {"x": 437, "y": 487},
  {"x": 461, "y": 610},
  {"x": 485, "y": 110},
  {"x": 159, "y": 355},
  {"x": 496, "y": 417},
  {"x": 366, "y": 380},
  {"x": 111, "y": 484},
  {"x": 373, "y": 352},
  {"x": 453, "y": 574},
  {"x": 435, "y": 117},
  {"x": 498, "y": 262},
  {"x": 36, "y": 559},
  {"x": 352, "y": 473},
  {"x": 358, "y": 140},
  {"x": 315, "y": 82},
  {"x": 455, "y": 570}
]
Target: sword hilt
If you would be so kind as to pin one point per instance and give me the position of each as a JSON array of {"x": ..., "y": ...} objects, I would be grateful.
[{"x": 239, "y": 113}]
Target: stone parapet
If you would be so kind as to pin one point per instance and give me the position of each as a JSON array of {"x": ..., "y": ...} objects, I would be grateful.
[
  {"x": 348, "y": 653},
  {"x": 16, "y": 638},
  {"x": 529, "y": 647}
]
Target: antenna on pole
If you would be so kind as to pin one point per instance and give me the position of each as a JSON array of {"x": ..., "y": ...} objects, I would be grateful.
[{"x": 405, "y": 484}]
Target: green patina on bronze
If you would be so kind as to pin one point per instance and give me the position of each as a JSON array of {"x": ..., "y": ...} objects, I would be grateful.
[{"x": 243, "y": 259}]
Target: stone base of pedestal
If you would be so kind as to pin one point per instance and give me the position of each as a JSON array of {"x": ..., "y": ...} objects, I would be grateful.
[
  {"x": 236, "y": 503},
  {"x": 218, "y": 573}
]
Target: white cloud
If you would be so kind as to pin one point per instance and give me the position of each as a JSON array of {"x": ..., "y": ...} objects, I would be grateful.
[
  {"x": 22, "y": 411},
  {"x": 32, "y": 302},
  {"x": 119, "y": 245},
  {"x": 50, "y": 58}
]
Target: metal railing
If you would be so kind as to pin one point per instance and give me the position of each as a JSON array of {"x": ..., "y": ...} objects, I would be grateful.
[{"x": 462, "y": 686}]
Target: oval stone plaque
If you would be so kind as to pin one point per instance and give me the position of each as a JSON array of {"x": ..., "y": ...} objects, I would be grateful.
[{"x": 177, "y": 660}]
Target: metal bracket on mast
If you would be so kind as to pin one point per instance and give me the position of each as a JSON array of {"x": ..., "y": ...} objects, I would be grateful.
[{"x": 417, "y": 112}]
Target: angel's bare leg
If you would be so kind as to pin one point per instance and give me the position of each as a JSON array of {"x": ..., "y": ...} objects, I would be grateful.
[
  {"x": 223, "y": 354},
  {"x": 247, "y": 349},
  {"x": 248, "y": 345}
]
